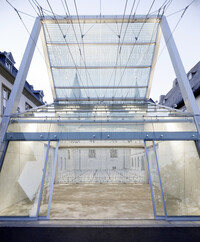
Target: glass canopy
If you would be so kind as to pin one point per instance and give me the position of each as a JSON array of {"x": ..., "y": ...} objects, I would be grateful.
[{"x": 100, "y": 59}]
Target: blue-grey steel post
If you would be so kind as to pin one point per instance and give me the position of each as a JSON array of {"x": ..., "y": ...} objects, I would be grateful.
[
  {"x": 19, "y": 82},
  {"x": 183, "y": 81},
  {"x": 161, "y": 189},
  {"x": 52, "y": 180},
  {"x": 20, "y": 78},
  {"x": 149, "y": 172},
  {"x": 43, "y": 177}
]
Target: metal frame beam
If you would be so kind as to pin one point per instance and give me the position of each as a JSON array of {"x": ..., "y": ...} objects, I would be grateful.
[
  {"x": 95, "y": 119},
  {"x": 20, "y": 78},
  {"x": 100, "y": 98},
  {"x": 150, "y": 179},
  {"x": 183, "y": 81},
  {"x": 43, "y": 178},
  {"x": 45, "y": 136},
  {"x": 102, "y": 19},
  {"x": 52, "y": 179},
  {"x": 19, "y": 81},
  {"x": 103, "y": 43},
  {"x": 100, "y": 67},
  {"x": 98, "y": 87}
]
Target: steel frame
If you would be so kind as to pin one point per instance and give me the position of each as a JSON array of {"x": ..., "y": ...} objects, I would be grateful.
[
  {"x": 52, "y": 179},
  {"x": 160, "y": 182},
  {"x": 183, "y": 81},
  {"x": 45, "y": 136},
  {"x": 43, "y": 177},
  {"x": 150, "y": 180},
  {"x": 56, "y": 136}
]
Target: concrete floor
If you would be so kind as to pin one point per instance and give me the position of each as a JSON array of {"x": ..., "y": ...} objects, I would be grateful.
[{"x": 102, "y": 201}]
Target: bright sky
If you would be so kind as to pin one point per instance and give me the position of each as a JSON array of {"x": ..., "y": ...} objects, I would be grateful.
[{"x": 14, "y": 35}]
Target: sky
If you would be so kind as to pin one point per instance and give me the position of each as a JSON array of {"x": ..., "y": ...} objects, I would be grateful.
[{"x": 15, "y": 31}]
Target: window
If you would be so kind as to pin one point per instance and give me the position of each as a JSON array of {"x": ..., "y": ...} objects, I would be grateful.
[
  {"x": 138, "y": 160},
  {"x": 113, "y": 153},
  {"x": 5, "y": 97},
  {"x": 8, "y": 65},
  {"x": 61, "y": 163},
  {"x": 28, "y": 106},
  {"x": 68, "y": 154},
  {"x": 92, "y": 153},
  {"x": 190, "y": 75},
  {"x": 142, "y": 163},
  {"x": 65, "y": 163}
]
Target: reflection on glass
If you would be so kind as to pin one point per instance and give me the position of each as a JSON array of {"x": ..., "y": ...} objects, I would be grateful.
[
  {"x": 20, "y": 178},
  {"x": 180, "y": 173}
]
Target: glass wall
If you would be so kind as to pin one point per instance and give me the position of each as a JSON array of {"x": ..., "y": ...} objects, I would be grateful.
[
  {"x": 180, "y": 173},
  {"x": 101, "y": 180},
  {"x": 20, "y": 178}
]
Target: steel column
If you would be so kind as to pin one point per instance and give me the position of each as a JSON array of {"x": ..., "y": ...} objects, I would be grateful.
[
  {"x": 150, "y": 181},
  {"x": 52, "y": 179},
  {"x": 161, "y": 189},
  {"x": 20, "y": 79},
  {"x": 183, "y": 82},
  {"x": 43, "y": 177}
]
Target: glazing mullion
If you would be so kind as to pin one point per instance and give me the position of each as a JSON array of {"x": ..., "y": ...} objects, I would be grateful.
[
  {"x": 43, "y": 178},
  {"x": 150, "y": 180},
  {"x": 52, "y": 179},
  {"x": 161, "y": 188}
]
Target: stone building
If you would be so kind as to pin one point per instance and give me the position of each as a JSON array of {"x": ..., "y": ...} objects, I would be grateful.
[
  {"x": 174, "y": 98},
  {"x": 30, "y": 98}
]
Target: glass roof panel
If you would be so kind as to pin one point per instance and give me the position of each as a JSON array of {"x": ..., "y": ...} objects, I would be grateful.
[
  {"x": 86, "y": 55},
  {"x": 102, "y": 117}
]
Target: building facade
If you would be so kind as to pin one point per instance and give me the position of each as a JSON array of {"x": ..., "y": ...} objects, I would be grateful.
[
  {"x": 30, "y": 98},
  {"x": 174, "y": 98}
]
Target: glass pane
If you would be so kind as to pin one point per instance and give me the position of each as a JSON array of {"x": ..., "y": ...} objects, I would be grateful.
[
  {"x": 47, "y": 180},
  {"x": 101, "y": 56},
  {"x": 101, "y": 32},
  {"x": 155, "y": 179},
  {"x": 122, "y": 117},
  {"x": 93, "y": 178},
  {"x": 20, "y": 178},
  {"x": 180, "y": 173},
  {"x": 139, "y": 55}
]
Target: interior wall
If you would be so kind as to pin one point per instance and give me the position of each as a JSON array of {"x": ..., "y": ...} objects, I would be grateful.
[
  {"x": 20, "y": 158},
  {"x": 110, "y": 164}
]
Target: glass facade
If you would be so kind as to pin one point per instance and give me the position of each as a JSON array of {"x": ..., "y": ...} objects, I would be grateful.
[
  {"x": 147, "y": 150},
  {"x": 101, "y": 150}
]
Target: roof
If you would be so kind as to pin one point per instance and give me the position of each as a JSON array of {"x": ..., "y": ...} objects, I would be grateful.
[
  {"x": 174, "y": 98},
  {"x": 92, "y": 58},
  {"x": 7, "y": 56}
]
